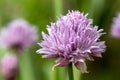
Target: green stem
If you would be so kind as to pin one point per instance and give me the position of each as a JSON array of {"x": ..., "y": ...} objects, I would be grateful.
[
  {"x": 57, "y": 75},
  {"x": 25, "y": 66},
  {"x": 77, "y": 73},
  {"x": 70, "y": 72},
  {"x": 58, "y": 7}
]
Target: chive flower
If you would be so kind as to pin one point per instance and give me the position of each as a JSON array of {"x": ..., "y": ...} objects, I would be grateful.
[
  {"x": 74, "y": 39},
  {"x": 9, "y": 67},
  {"x": 18, "y": 35},
  {"x": 115, "y": 30}
]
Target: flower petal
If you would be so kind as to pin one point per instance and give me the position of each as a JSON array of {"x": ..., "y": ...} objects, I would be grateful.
[
  {"x": 81, "y": 66},
  {"x": 61, "y": 62}
]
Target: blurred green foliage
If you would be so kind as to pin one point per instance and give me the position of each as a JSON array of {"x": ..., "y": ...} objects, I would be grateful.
[{"x": 41, "y": 12}]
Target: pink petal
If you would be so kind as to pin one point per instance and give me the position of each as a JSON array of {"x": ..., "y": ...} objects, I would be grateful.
[{"x": 81, "y": 66}]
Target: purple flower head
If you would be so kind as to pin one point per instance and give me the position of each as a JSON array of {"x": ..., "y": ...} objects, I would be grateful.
[
  {"x": 9, "y": 66},
  {"x": 72, "y": 39},
  {"x": 115, "y": 30},
  {"x": 18, "y": 35}
]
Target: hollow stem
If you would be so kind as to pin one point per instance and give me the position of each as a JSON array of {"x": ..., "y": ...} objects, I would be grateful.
[{"x": 70, "y": 72}]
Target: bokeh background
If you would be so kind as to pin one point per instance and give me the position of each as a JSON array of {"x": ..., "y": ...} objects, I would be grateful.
[{"x": 41, "y": 12}]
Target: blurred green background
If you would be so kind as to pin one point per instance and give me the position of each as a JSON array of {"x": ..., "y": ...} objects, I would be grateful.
[{"x": 41, "y": 12}]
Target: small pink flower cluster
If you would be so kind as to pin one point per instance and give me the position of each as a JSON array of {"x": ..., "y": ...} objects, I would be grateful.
[
  {"x": 18, "y": 35},
  {"x": 9, "y": 66}
]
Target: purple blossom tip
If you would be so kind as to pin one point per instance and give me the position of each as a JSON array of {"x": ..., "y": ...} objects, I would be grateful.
[
  {"x": 72, "y": 39},
  {"x": 115, "y": 30},
  {"x": 18, "y": 35}
]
